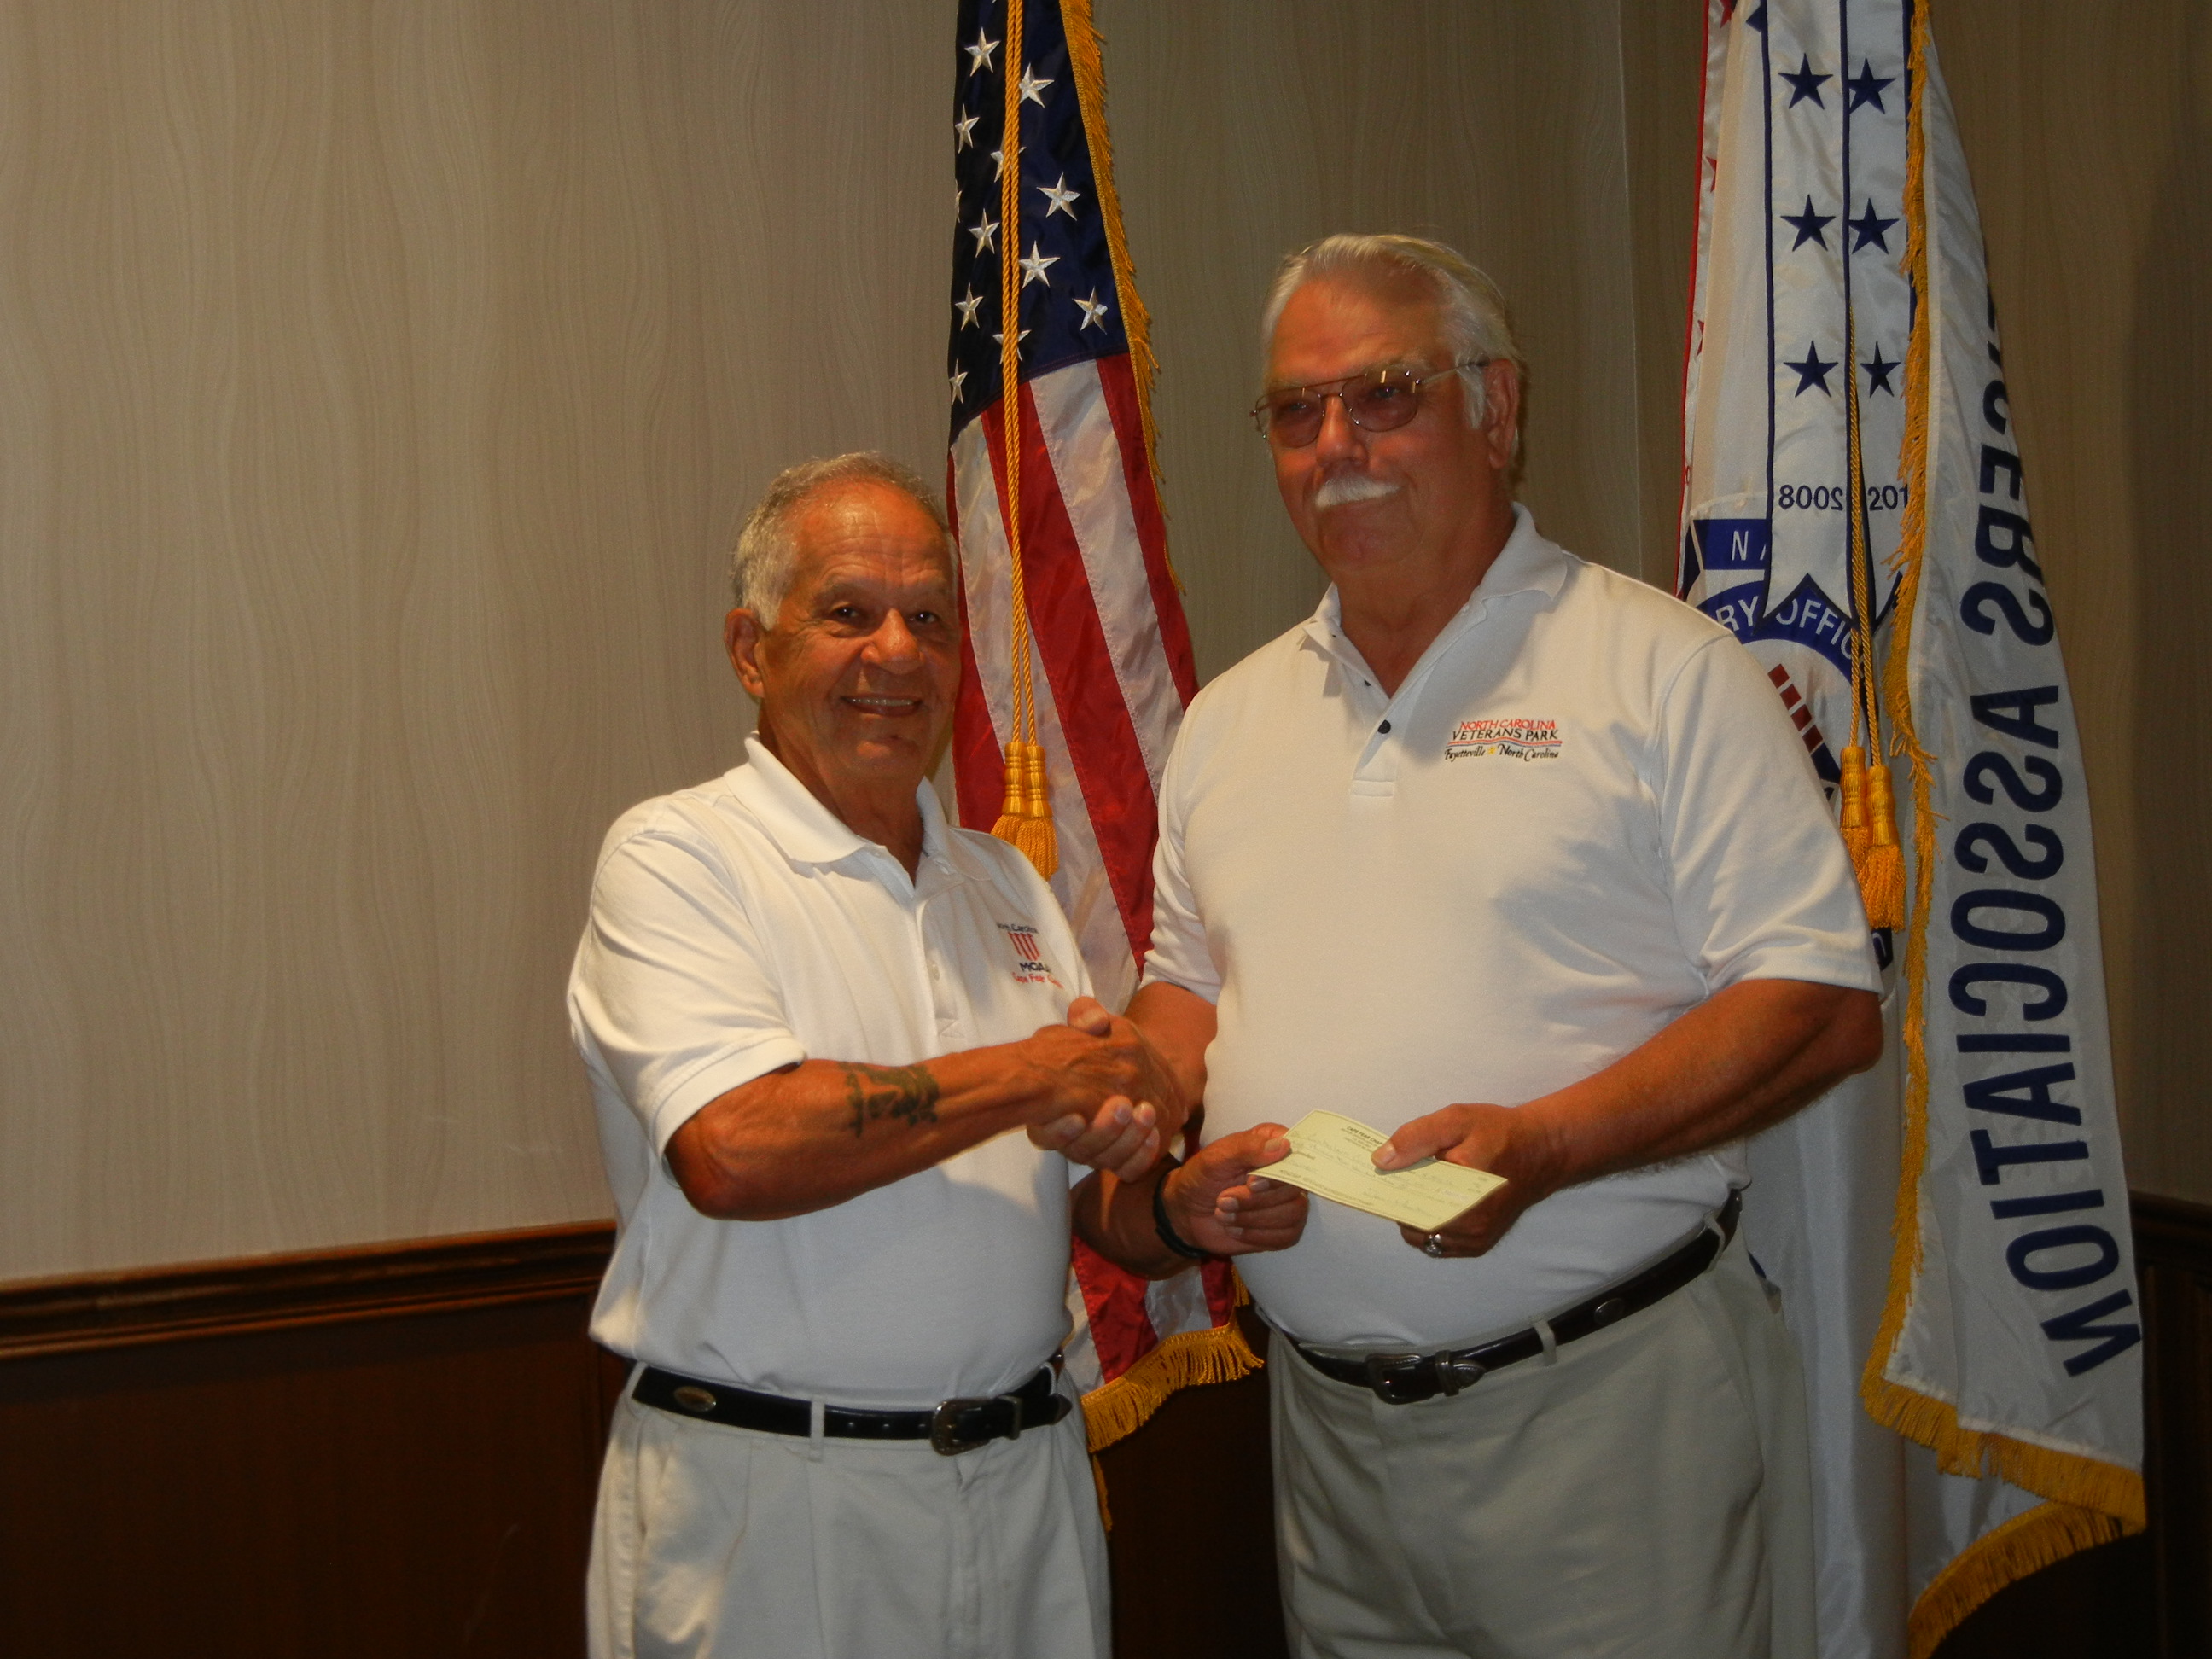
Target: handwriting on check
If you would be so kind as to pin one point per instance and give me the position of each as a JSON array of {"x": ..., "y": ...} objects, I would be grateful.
[{"x": 1333, "y": 1157}]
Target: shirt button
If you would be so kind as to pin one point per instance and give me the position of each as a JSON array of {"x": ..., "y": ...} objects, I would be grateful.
[{"x": 1384, "y": 727}]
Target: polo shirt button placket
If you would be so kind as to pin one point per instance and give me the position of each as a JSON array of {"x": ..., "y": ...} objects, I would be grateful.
[
  {"x": 941, "y": 1001},
  {"x": 1377, "y": 774}
]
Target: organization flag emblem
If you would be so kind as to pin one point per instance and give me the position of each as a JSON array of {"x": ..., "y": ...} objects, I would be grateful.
[{"x": 1854, "y": 511}]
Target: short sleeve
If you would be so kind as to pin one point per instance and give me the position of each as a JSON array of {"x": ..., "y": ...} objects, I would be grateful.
[
  {"x": 1180, "y": 954},
  {"x": 1762, "y": 886},
  {"x": 670, "y": 990}
]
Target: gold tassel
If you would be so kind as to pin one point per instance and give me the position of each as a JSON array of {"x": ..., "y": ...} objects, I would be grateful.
[
  {"x": 1009, "y": 826},
  {"x": 1881, "y": 878},
  {"x": 1035, "y": 835},
  {"x": 1851, "y": 820}
]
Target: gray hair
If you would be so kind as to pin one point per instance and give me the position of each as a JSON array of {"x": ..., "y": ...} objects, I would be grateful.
[
  {"x": 1475, "y": 324},
  {"x": 760, "y": 567}
]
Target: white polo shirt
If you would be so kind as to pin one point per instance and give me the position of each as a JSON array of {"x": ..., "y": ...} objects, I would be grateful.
[
  {"x": 1584, "y": 813},
  {"x": 738, "y": 927}
]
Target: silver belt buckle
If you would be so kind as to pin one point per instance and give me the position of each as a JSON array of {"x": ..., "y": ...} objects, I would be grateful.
[{"x": 945, "y": 1437}]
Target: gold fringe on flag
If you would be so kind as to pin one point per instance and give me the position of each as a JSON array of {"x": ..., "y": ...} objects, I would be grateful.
[
  {"x": 1219, "y": 1355},
  {"x": 2090, "y": 1502}
]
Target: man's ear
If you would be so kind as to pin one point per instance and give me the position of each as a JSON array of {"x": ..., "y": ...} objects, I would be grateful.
[
  {"x": 741, "y": 637},
  {"x": 1501, "y": 390}
]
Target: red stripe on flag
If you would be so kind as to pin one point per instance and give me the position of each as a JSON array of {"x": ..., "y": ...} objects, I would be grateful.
[
  {"x": 1102, "y": 741},
  {"x": 978, "y": 761},
  {"x": 1118, "y": 376},
  {"x": 1121, "y": 1330}
]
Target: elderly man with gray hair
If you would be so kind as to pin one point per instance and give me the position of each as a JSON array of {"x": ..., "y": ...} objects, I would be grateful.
[
  {"x": 845, "y": 1067},
  {"x": 1520, "y": 862}
]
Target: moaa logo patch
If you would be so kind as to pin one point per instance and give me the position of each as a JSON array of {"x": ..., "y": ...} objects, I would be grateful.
[
  {"x": 1029, "y": 957},
  {"x": 1520, "y": 738}
]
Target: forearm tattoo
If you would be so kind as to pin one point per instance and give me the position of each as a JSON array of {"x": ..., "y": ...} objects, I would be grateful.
[{"x": 907, "y": 1093}]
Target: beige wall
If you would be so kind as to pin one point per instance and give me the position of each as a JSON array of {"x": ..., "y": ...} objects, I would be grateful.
[
  {"x": 2089, "y": 133},
  {"x": 379, "y": 386},
  {"x": 1245, "y": 128}
]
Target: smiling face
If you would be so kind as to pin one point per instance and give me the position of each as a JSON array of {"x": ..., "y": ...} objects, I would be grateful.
[
  {"x": 1424, "y": 502},
  {"x": 856, "y": 678}
]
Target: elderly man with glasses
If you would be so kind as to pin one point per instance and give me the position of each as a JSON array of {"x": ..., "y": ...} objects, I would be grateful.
[
  {"x": 1519, "y": 861},
  {"x": 844, "y": 1068}
]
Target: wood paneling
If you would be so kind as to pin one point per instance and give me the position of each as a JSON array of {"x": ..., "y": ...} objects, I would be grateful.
[
  {"x": 2173, "y": 1265},
  {"x": 1192, "y": 1496},
  {"x": 85, "y": 1312},
  {"x": 376, "y": 1451},
  {"x": 395, "y": 1449},
  {"x": 2150, "y": 1597}
]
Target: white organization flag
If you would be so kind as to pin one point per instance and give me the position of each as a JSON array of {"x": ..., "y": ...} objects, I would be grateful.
[{"x": 1974, "y": 1370}]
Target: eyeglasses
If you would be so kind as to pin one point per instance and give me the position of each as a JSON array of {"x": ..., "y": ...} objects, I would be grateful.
[{"x": 1377, "y": 401}]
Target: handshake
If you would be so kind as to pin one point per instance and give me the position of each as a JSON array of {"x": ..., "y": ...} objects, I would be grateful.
[{"x": 1108, "y": 1101}]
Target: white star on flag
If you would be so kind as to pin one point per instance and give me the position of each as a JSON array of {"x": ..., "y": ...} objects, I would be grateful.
[
  {"x": 999, "y": 339},
  {"x": 1093, "y": 310},
  {"x": 1032, "y": 87},
  {"x": 999, "y": 162},
  {"x": 966, "y": 307},
  {"x": 979, "y": 55},
  {"x": 1062, "y": 198},
  {"x": 959, "y": 375},
  {"x": 1033, "y": 267},
  {"x": 985, "y": 233},
  {"x": 965, "y": 128}
]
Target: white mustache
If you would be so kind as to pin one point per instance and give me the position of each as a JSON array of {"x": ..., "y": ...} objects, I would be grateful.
[{"x": 1345, "y": 487}]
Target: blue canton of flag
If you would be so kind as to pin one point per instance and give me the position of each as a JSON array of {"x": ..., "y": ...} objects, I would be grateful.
[{"x": 1068, "y": 308}]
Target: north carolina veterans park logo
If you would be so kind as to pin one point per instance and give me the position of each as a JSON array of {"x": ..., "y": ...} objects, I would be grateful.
[{"x": 1517, "y": 740}]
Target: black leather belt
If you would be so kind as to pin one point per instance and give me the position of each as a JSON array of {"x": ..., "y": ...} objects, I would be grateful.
[
  {"x": 1401, "y": 1379},
  {"x": 952, "y": 1427}
]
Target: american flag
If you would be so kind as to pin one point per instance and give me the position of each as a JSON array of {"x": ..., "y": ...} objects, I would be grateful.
[{"x": 1100, "y": 636}]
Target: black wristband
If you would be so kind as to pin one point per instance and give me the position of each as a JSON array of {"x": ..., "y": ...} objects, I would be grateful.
[{"x": 1169, "y": 1236}]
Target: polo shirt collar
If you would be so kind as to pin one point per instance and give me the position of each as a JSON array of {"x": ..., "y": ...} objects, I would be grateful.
[
  {"x": 1526, "y": 563},
  {"x": 802, "y": 829}
]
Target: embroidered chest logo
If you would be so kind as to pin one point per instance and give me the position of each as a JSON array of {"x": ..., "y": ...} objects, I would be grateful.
[
  {"x": 1522, "y": 740},
  {"x": 1029, "y": 957}
]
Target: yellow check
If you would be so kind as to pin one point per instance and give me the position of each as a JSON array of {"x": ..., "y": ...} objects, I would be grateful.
[{"x": 1334, "y": 1155}]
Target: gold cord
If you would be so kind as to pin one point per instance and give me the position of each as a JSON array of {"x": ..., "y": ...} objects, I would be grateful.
[{"x": 1025, "y": 815}]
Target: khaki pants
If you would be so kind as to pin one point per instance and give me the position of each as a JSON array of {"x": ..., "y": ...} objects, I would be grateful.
[
  {"x": 1644, "y": 1493},
  {"x": 722, "y": 1543}
]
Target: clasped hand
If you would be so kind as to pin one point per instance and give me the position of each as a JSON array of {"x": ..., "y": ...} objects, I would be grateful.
[{"x": 1115, "y": 1101}]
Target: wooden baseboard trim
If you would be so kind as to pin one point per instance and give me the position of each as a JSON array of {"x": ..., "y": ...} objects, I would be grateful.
[
  {"x": 84, "y": 1312},
  {"x": 2172, "y": 1230},
  {"x": 87, "y": 1311}
]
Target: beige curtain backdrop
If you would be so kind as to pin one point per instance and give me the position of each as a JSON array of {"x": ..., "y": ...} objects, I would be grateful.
[{"x": 380, "y": 387}]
